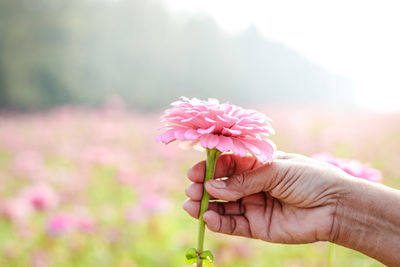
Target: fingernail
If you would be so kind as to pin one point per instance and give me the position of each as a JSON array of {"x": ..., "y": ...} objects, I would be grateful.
[
  {"x": 206, "y": 216},
  {"x": 219, "y": 184},
  {"x": 185, "y": 204}
]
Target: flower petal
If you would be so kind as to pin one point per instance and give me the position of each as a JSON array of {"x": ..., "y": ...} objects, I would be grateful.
[
  {"x": 180, "y": 134},
  {"x": 206, "y": 131},
  {"x": 225, "y": 144},
  {"x": 227, "y": 131},
  {"x": 191, "y": 134},
  {"x": 209, "y": 140},
  {"x": 238, "y": 147},
  {"x": 262, "y": 149},
  {"x": 209, "y": 120},
  {"x": 167, "y": 136}
]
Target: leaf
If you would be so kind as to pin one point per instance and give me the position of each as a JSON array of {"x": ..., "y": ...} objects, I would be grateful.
[
  {"x": 207, "y": 263},
  {"x": 191, "y": 256},
  {"x": 207, "y": 255},
  {"x": 207, "y": 258}
]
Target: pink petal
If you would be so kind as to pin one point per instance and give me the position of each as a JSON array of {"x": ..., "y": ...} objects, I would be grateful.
[
  {"x": 188, "y": 119},
  {"x": 262, "y": 149},
  {"x": 222, "y": 119},
  {"x": 225, "y": 144},
  {"x": 206, "y": 131},
  {"x": 209, "y": 140},
  {"x": 227, "y": 131},
  {"x": 191, "y": 134},
  {"x": 167, "y": 136},
  {"x": 209, "y": 120},
  {"x": 238, "y": 147},
  {"x": 180, "y": 134}
]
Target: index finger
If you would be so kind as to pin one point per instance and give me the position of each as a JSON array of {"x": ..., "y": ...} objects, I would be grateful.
[{"x": 227, "y": 165}]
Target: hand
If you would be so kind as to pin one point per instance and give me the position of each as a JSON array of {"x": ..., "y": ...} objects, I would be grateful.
[{"x": 293, "y": 200}]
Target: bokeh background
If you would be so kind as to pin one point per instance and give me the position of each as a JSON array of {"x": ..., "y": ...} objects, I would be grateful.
[{"x": 84, "y": 82}]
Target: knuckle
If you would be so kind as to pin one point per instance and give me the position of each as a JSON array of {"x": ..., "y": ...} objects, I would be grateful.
[{"x": 239, "y": 179}]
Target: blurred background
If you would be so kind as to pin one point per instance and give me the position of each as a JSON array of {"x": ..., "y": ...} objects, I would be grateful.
[{"x": 84, "y": 82}]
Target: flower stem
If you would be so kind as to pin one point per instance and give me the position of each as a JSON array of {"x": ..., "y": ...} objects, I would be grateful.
[{"x": 212, "y": 156}]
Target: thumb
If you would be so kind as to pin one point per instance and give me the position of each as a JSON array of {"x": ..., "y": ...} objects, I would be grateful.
[{"x": 247, "y": 183}]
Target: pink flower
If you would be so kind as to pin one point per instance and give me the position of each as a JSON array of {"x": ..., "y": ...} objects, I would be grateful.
[
  {"x": 154, "y": 203},
  {"x": 78, "y": 220},
  {"x": 86, "y": 223},
  {"x": 41, "y": 196},
  {"x": 222, "y": 126},
  {"x": 147, "y": 206},
  {"x": 352, "y": 167},
  {"x": 60, "y": 223},
  {"x": 39, "y": 258},
  {"x": 15, "y": 209}
]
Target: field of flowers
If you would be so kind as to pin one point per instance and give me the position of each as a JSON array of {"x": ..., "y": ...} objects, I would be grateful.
[{"x": 91, "y": 187}]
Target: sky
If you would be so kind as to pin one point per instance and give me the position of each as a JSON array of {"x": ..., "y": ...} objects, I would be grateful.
[{"x": 356, "y": 39}]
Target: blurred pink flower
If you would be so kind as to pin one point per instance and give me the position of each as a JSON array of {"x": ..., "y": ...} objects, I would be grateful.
[
  {"x": 222, "y": 126},
  {"x": 148, "y": 205},
  {"x": 155, "y": 203},
  {"x": 60, "y": 223},
  {"x": 352, "y": 167},
  {"x": 15, "y": 209},
  {"x": 39, "y": 258},
  {"x": 41, "y": 196},
  {"x": 78, "y": 220},
  {"x": 86, "y": 223}
]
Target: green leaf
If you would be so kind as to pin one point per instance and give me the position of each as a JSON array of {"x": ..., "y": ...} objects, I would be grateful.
[
  {"x": 207, "y": 258},
  {"x": 207, "y": 263},
  {"x": 207, "y": 255},
  {"x": 191, "y": 256}
]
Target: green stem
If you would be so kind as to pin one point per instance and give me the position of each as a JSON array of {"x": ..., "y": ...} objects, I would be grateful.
[
  {"x": 331, "y": 250},
  {"x": 212, "y": 156}
]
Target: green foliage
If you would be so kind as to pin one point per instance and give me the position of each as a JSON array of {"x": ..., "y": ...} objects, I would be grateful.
[
  {"x": 56, "y": 52},
  {"x": 191, "y": 256},
  {"x": 207, "y": 258}
]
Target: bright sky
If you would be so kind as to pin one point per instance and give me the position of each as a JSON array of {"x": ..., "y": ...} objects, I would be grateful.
[{"x": 356, "y": 39}]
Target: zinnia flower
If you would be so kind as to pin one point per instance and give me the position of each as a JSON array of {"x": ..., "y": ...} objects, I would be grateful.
[
  {"x": 41, "y": 196},
  {"x": 149, "y": 204},
  {"x": 352, "y": 167},
  {"x": 60, "y": 223},
  {"x": 223, "y": 126},
  {"x": 15, "y": 209}
]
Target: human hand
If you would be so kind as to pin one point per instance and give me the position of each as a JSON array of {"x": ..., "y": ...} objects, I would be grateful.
[{"x": 293, "y": 200}]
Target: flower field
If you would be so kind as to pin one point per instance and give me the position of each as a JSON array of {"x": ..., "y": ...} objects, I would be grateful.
[{"x": 92, "y": 187}]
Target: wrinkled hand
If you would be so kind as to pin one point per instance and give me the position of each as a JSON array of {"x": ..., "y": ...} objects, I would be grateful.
[{"x": 293, "y": 200}]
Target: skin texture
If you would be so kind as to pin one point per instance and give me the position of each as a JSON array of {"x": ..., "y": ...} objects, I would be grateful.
[{"x": 296, "y": 200}]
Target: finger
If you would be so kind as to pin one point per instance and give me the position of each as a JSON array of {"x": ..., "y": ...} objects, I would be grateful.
[
  {"x": 284, "y": 155},
  {"x": 280, "y": 155},
  {"x": 195, "y": 191},
  {"x": 227, "y": 165},
  {"x": 227, "y": 224},
  {"x": 249, "y": 182},
  {"x": 222, "y": 208}
]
